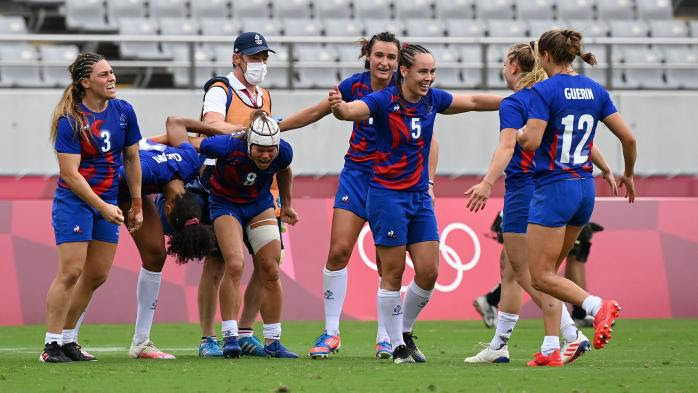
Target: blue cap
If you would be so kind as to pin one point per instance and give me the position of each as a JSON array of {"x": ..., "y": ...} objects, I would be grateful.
[{"x": 249, "y": 43}]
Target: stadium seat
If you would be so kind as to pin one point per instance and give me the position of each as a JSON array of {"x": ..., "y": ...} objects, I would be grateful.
[
  {"x": 87, "y": 15},
  {"x": 537, "y": 27},
  {"x": 654, "y": 9},
  {"x": 598, "y": 73},
  {"x": 348, "y": 53},
  {"x": 168, "y": 8},
  {"x": 12, "y": 25},
  {"x": 316, "y": 76},
  {"x": 425, "y": 28},
  {"x": 20, "y": 76},
  {"x": 57, "y": 75},
  {"x": 683, "y": 78},
  {"x": 534, "y": 9},
  {"x": 503, "y": 28},
  {"x": 615, "y": 9},
  {"x": 414, "y": 9},
  {"x": 178, "y": 26},
  {"x": 302, "y": 27},
  {"x": 372, "y": 9},
  {"x": 117, "y": 9},
  {"x": 220, "y": 26},
  {"x": 377, "y": 25},
  {"x": 277, "y": 76},
  {"x": 180, "y": 75},
  {"x": 140, "y": 50},
  {"x": 455, "y": 9},
  {"x": 693, "y": 26},
  {"x": 210, "y": 9},
  {"x": 291, "y": 8},
  {"x": 447, "y": 67},
  {"x": 668, "y": 28},
  {"x": 494, "y": 9},
  {"x": 343, "y": 27},
  {"x": 575, "y": 9},
  {"x": 495, "y": 79},
  {"x": 265, "y": 26},
  {"x": 333, "y": 9},
  {"x": 627, "y": 29},
  {"x": 471, "y": 61},
  {"x": 250, "y": 8},
  {"x": 589, "y": 28},
  {"x": 469, "y": 28},
  {"x": 643, "y": 78}
]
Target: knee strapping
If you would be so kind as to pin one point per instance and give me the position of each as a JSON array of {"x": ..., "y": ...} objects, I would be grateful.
[{"x": 261, "y": 235}]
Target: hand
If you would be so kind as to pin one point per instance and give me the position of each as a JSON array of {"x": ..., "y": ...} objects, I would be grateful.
[
  {"x": 135, "y": 215},
  {"x": 479, "y": 194},
  {"x": 112, "y": 213},
  {"x": 431, "y": 194},
  {"x": 627, "y": 181},
  {"x": 334, "y": 98},
  {"x": 608, "y": 176},
  {"x": 288, "y": 215}
]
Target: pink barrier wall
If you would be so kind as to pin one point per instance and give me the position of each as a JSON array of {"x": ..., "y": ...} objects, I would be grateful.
[{"x": 647, "y": 258}]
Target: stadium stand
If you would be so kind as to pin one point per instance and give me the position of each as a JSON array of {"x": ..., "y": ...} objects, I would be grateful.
[
  {"x": 87, "y": 15},
  {"x": 455, "y": 9},
  {"x": 61, "y": 55}
]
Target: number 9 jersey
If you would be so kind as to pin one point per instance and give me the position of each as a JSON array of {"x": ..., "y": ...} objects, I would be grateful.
[{"x": 572, "y": 105}]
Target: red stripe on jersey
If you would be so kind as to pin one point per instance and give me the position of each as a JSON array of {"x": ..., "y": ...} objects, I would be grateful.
[
  {"x": 87, "y": 144},
  {"x": 572, "y": 171},
  {"x": 397, "y": 129},
  {"x": 108, "y": 180},
  {"x": 527, "y": 160},
  {"x": 553, "y": 152},
  {"x": 361, "y": 87}
]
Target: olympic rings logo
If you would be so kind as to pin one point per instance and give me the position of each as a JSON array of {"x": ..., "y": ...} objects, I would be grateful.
[{"x": 447, "y": 252}]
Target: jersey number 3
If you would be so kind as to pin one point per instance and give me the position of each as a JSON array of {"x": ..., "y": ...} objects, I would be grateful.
[
  {"x": 586, "y": 123},
  {"x": 105, "y": 139}
]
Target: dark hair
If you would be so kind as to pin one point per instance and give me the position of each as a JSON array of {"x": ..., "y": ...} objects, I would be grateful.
[
  {"x": 524, "y": 56},
  {"x": 408, "y": 52},
  {"x": 564, "y": 45},
  {"x": 192, "y": 239},
  {"x": 80, "y": 69},
  {"x": 367, "y": 45}
]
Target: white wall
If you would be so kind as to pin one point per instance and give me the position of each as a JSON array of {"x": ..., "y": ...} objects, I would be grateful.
[{"x": 663, "y": 121}]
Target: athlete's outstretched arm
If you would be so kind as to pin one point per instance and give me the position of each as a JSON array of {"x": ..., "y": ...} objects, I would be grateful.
[
  {"x": 352, "y": 111},
  {"x": 218, "y": 120},
  {"x": 622, "y": 131},
  {"x": 473, "y": 102},
  {"x": 306, "y": 116},
  {"x": 600, "y": 161},
  {"x": 68, "y": 165},
  {"x": 479, "y": 193},
  {"x": 531, "y": 135},
  {"x": 433, "y": 162},
  {"x": 177, "y": 128},
  {"x": 284, "y": 179},
  {"x": 132, "y": 170}
]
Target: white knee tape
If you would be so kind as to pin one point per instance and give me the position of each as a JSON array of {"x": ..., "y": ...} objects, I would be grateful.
[{"x": 261, "y": 235}]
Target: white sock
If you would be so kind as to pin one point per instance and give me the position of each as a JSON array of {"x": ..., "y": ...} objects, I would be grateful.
[
  {"x": 51, "y": 337},
  {"x": 390, "y": 304},
  {"x": 334, "y": 290},
  {"x": 68, "y": 336},
  {"x": 416, "y": 299},
  {"x": 550, "y": 344},
  {"x": 77, "y": 325},
  {"x": 272, "y": 331},
  {"x": 505, "y": 326},
  {"x": 567, "y": 326},
  {"x": 230, "y": 328},
  {"x": 147, "y": 295},
  {"x": 591, "y": 305},
  {"x": 381, "y": 333}
]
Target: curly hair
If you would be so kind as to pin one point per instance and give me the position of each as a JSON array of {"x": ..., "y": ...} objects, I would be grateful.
[{"x": 192, "y": 238}]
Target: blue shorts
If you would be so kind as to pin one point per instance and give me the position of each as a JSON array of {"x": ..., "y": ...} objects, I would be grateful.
[
  {"x": 75, "y": 221},
  {"x": 517, "y": 199},
  {"x": 398, "y": 218},
  {"x": 352, "y": 191},
  {"x": 243, "y": 212},
  {"x": 562, "y": 203}
]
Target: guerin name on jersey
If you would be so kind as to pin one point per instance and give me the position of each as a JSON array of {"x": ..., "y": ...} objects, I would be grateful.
[
  {"x": 162, "y": 157},
  {"x": 579, "y": 94}
]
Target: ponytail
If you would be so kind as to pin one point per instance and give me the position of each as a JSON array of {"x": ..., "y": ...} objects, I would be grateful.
[
  {"x": 564, "y": 45},
  {"x": 192, "y": 239},
  {"x": 524, "y": 55}
]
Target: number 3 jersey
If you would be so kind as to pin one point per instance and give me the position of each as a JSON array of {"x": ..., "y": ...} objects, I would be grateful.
[
  {"x": 236, "y": 178},
  {"x": 108, "y": 132},
  {"x": 572, "y": 105},
  {"x": 403, "y": 137}
]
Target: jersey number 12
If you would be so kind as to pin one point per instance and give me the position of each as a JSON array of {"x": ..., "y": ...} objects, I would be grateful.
[{"x": 586, "y": 124}]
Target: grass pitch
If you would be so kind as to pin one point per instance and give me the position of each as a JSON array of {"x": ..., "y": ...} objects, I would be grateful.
[{"x": 644, "y": 356}]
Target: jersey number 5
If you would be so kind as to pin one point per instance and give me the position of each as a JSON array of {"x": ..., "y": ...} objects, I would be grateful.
[
  {"x": 416, "y": 128},
  {"x": 105, "y": 139},
  {"x": 586, "y": 123},
  {"x": 251, "y": 177}
]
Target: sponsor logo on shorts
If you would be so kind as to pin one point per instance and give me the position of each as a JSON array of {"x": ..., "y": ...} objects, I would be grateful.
[
  {"x": 391, "y": 234},
  {"x": 345, "y": 199},
  {"x": 77, "y": 229}
]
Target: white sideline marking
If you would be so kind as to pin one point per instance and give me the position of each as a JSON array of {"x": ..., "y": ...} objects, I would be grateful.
[{"x": 90, "y": 349}]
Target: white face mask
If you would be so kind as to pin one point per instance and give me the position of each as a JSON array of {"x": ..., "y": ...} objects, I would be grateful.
[{"x": 255, "y": 73}]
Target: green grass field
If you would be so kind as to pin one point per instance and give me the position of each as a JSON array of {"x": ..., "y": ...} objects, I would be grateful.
[{"x": 644, "y": 356}]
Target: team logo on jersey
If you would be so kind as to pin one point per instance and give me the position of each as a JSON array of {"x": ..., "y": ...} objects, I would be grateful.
[
  {"x": 77, "y": 229},
  {"x": 329, "y": 295},
  {"x": 122, "y": 121},
  {"x": 397, "y": 310},
  {"x": 396, "y": 108},
  {"x": 257, "y": 39},
  {"x": 345, "y": 199},
  {"x": 391, "y": 234}
]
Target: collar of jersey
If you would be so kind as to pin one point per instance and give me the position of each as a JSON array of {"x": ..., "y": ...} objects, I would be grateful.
[{"x": 239, "y": 87}]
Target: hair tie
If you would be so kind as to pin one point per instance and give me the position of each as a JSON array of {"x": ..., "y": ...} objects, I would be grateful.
[
  {"x": 191, "y": 221},
  {"x": 405, "y": 45}
]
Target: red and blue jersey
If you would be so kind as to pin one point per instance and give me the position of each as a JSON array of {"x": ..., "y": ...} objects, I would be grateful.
[
  {"x": 572, "y": 105},
  {"x": 362, "y": 143},
  {"x": 108, "y": 132},
  {"x": 162, "y": 163},
  {"x": 403, "y": 137},
  {"x": 235, "y": 177},
  {"x": 513, "y": 113}
]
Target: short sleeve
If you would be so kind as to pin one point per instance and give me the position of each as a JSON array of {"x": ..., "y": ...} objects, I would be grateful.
[
  {"x": 345, "y": 88},
  {"x": 215, "y": 100},
  {"x": 133, "y": 132},
  {"x": 377, "y": 101},
  {"x": 607, "y": 106},
  {"x": 442, "y": 99},
  {"x": 285, "y": 155},
  {"x": 66, "y": 139},
  {"x": 511, "y": 114},
  {"x": 216, "y": 146},
  {"x": 538, "y": 106}
]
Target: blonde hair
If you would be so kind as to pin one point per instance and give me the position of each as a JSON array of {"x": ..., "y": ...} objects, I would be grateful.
[
  {"x": 524, "y": 55},
  {"x": 68, "y": 105}
]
